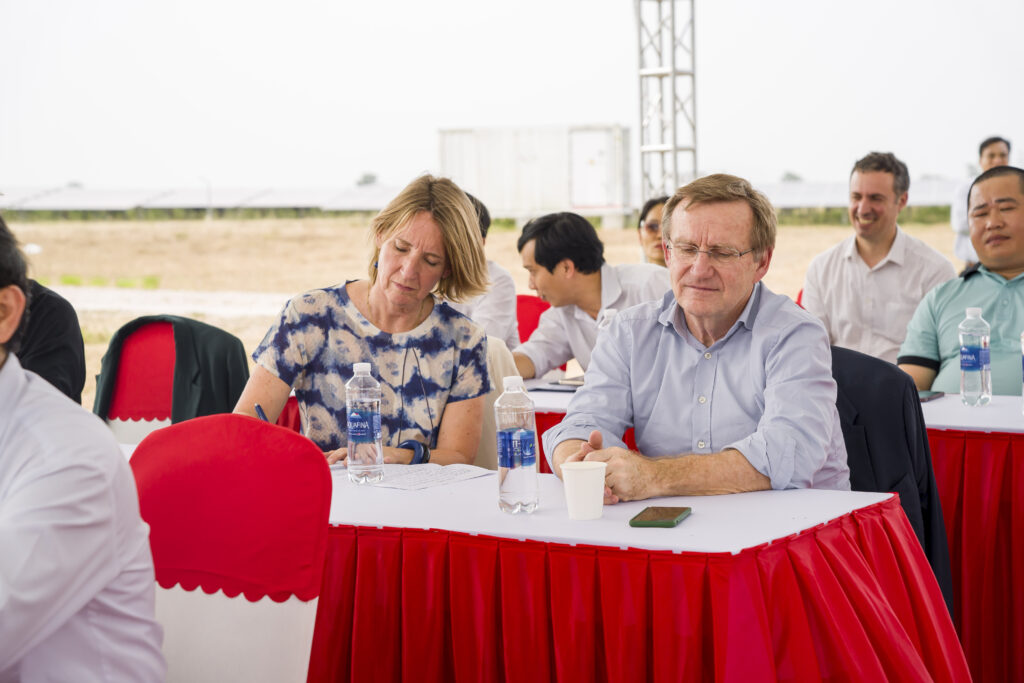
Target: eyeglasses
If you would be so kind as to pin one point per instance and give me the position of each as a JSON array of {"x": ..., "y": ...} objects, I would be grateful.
[
  {"x": 651, "y": 226},
  {"x": 687, "y": 253}
]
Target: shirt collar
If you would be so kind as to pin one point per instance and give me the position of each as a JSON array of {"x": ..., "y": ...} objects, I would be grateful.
[
  {"x": 611, "y": 288},
  {"x": 897, "y": 251},
  {"x": 12, "y": 384},
  {"x": 672, "y": 314},
  {"x": 985, "y": 272}
]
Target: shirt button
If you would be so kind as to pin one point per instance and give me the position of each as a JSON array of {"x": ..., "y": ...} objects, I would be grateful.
[
  {"x": 700, "y": 444},
  {"x": 707, "y": 354},
  {"x": 702, "y": 400}
]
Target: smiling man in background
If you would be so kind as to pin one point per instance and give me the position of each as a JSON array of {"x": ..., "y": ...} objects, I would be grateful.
[{"x": 866, "y": 288}]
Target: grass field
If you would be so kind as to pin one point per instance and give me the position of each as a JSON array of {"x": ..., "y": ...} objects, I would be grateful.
[{"x": 292, "y": 255}]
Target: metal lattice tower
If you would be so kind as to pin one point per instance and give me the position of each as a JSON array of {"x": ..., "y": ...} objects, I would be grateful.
[{"x": 668, "y": 101}]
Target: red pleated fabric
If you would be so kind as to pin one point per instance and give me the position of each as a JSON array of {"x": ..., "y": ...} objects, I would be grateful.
[
  {"x": 980, "y": 478},
  {"x": 851, "y": 600}
]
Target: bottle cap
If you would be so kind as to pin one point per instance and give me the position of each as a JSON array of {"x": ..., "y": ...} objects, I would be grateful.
[
  {"x": 361, "y": 368},
  {"x": 973, "y": 312},
  {"x": 512, "y": 382}
]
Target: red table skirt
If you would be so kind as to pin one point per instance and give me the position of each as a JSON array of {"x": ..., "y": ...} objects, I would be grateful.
[
  {"x": 853, "y": 600},
  {"x": 980, "y": 478}
]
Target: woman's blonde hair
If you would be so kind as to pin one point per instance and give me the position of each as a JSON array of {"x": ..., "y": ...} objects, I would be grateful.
[{"x": 451, "y": 209}]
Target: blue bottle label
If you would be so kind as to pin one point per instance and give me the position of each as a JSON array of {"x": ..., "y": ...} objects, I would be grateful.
[
  {"x": 363, "y": 426},
  {"x": 973, "y": 358},
  {"x": 516, "y": 447}
]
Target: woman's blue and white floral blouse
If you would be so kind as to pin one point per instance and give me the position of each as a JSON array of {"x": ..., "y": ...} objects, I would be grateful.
[{"x": 321, "y": 335}]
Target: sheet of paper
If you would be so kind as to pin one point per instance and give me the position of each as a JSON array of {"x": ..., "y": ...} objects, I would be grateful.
[{"x": 415, "y": 477}]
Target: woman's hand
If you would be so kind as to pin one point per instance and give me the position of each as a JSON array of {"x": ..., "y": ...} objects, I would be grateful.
[
  {"x": 337, "y": 455},
  {"x": 398, "y": 456}
]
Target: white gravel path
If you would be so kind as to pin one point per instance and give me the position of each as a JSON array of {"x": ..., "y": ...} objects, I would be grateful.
[{"x": 172, "y": 301}]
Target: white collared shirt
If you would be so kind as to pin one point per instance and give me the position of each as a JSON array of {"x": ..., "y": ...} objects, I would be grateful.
[
  {"x": 76, "y": 573},
  {"x": 568, "y": 332},
  {"x": 867, "y": 309},
  {"x": 495, "y": 309}
]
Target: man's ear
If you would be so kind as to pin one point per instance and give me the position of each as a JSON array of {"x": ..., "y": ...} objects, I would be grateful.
[
  {"x": 12, "y": 307},
  {"x": 565, "y": 268}
]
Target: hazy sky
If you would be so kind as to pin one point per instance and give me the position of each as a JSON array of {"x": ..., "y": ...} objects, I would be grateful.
[{"x": 122, "y": 93}]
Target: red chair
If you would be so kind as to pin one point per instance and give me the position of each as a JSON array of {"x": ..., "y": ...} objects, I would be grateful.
[
  {"x": 237, "y": 507},
  {"x": 800, "y": 298},
  {"x": 162, "y": 369},
  {"x": 143, "y": 386},
  {"x": 528, "y": 310}
]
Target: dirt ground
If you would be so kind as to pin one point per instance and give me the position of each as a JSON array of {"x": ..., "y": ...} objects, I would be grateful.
[{"x": 291, "y": 255}]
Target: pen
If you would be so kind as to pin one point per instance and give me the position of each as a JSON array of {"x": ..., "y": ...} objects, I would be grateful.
[{"x": 260, "y": 414}]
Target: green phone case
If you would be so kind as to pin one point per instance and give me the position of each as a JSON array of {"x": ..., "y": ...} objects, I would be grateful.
[{"x": 666, "y": 517}]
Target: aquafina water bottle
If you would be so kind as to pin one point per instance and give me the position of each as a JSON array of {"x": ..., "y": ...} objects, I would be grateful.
[
  {"x": 362, "y": 406},
  {"x": 517, "y": 448},
  {"x": 975, "y": 368}
]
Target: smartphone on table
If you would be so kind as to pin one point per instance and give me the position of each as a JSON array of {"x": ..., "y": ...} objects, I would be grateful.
[
  {"x": 926, "y": 395},
  {"x": 663, "y": 516}
]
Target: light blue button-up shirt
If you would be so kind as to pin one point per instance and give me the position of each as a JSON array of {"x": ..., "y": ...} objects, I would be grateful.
[{"x": 764, "y": 389}]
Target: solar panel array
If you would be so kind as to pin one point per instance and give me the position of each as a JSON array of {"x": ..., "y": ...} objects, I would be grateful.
[{"x": 784, "y": 195}]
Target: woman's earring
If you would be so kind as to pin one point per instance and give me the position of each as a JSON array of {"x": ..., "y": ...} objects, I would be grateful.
[{"x": 375, "y": 264}]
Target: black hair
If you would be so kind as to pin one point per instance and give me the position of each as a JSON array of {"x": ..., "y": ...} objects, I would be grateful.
[
  {"x": 562, "y": 236},
  {"x": 482, "y": 214},
  {"x": 992, "y": 141},
  {"x": 648, "y": 205},
  {"x": 13, "y": 271},
  {"x": 997, "y": 172},
  {"x": 886, "y": 162}
]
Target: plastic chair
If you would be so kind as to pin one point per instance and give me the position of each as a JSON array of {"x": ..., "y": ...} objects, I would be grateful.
[
  {"x": 528, "y": 310},
  {"x": 238, "y": 507},
  {"x": 800, "y": 298},
  {"x": 164, "y": 369}
]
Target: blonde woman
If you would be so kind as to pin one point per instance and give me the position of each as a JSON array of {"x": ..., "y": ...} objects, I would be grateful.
[{"x": 430, "y": 360}]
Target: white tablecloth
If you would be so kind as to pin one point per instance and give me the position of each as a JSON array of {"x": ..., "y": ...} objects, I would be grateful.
[
  {"x": 1003, "y": 414},
  {"x": 727, "y": 523}
]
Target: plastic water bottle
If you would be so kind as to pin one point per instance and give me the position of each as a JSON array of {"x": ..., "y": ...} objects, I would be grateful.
[
  {"x": 975, "y": 368},
  {"x": 517, "y": 448},
  {"x": 362, "y": 405}
]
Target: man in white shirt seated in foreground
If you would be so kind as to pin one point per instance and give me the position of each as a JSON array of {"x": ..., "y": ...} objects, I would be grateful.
[
  {"x": 866, "y": 288},
  {"x": 76, "y": 573},
  {"x": 728, "y": 386},
  {"x": 495, "y": 309},
  {"x": 565, "y": 260}
]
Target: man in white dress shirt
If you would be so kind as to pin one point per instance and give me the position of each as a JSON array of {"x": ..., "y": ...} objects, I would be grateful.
[
  {"x": 495, "y": 309},
  {"x": 76, "y": 573},
  {"x": 565, "y": 260},
  {"x": 993, "y": 152},
  {"x": 866, "y": 288}
]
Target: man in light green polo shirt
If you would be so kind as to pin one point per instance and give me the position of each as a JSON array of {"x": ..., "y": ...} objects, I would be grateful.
[{"x": 931, "y": 351}]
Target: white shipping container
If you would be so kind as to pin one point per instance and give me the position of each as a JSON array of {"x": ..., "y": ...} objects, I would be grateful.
[{"x": 526, "y": 172}]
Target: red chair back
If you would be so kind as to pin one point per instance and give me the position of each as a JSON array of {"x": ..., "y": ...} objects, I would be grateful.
[
  {"x": 235, "y": 504},
  {"x": 528, "y": 310},
  {"x": 800, "y": 298},
  {"x": 143, "y": 389}
]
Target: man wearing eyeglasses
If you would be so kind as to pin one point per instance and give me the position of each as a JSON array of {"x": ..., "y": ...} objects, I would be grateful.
[
  {"x": 866, "y": 288},
  {"x": 727, "y": 385}
]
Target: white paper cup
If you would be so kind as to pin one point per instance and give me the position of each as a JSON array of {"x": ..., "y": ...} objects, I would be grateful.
[{"x": 584, "y": 488}]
